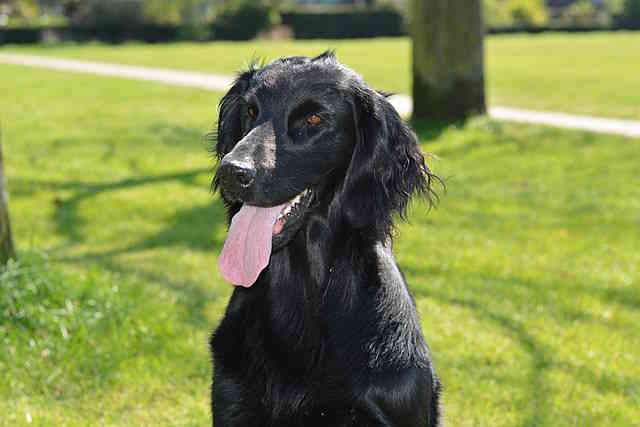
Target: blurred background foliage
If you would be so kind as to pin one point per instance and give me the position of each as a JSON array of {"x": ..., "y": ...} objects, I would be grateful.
[
  {"x": 245, "y": 19},
  {"x": 509, "y": 13}
]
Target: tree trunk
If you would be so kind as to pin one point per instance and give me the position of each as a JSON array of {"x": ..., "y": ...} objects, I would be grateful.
[
  {"x": 448, "y": 59},
  {"x": 6, "y": 243}
]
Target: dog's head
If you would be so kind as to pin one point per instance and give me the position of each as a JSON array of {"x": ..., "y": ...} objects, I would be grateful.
[{"x": 304, "y": 135}]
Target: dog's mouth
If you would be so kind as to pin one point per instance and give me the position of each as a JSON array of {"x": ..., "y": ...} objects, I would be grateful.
[
  {"x": 256, "y": 232},
  {"x": 292, "y": 212}
]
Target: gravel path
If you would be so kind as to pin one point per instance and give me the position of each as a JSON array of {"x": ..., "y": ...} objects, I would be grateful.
[{"x": 402, "y": 103}]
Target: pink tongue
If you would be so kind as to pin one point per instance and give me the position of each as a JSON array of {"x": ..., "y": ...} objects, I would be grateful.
[{"x": 247, "y": 249}]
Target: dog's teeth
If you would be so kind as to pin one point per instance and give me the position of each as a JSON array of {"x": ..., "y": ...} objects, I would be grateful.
[{"x": 292, "y": 206}]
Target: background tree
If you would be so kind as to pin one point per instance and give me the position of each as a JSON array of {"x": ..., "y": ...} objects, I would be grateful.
[
  {"x": 631, "y": 13},
  {"x": 6, "y": 243},
  {"x": 448, "y": 59}
]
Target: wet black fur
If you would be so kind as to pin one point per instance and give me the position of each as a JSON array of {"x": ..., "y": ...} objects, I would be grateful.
[{"x": 329, "y": 334}]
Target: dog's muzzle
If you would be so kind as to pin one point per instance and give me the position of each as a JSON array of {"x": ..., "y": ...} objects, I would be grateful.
[{"x": 235, "y": 178}]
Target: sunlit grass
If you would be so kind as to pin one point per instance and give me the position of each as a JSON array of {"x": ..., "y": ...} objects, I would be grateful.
[
  {"x": 526, "y": 275},
  {"x": 597, "y": 74}
]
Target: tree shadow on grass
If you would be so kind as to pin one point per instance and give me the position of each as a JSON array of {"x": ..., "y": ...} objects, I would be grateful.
[
  {"x": 542, "y": 358},
  {"x": 190, "y": 295},
  {"x": 69, "y": 222},
  {"x": 66, "y": 216},
  {"x": 168, "y": 134},
  {"x": 495, "y": 133},
  {"x": 430, "y": 130},
  {"x": 190, "y": 307},
  {"x": 628, "y": 297},
  {"x": 193, "y": 227}
]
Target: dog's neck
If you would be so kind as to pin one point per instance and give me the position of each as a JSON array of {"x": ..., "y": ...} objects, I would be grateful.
[
  {"x": 322, "y": 266},
  {"x": 319, "y": 283}
]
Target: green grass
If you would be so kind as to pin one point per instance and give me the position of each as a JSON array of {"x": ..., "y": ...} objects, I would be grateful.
[
  {"x": 526, "y": 276},
  {"x": 596, "y": 74}
]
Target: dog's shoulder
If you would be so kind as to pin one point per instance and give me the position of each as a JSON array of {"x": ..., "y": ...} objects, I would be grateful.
[
  {"x": 394, "y": 338},
  {"x": 391, "y": 278}
]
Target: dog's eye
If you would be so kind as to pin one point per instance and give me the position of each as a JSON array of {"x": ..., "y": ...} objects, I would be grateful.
[
  {"x": 252, "y": 112},
  {"x": 313, "y": 119}
]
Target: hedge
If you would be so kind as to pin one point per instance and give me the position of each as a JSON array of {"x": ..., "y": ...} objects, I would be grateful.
[
  {"x": 146, "y": 33},
  {"x": 243, "y": 23},
  {"x": 343, "y": 25},
  {"x": 304, "y": 25},
  {"x": 20, "y": 35},
  {"x": 238, "y": 26}
]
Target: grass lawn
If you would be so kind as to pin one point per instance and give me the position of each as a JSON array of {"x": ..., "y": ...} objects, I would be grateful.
[
  {"x": 526, "y": 276},
  {"x": 596, "y": 74}
]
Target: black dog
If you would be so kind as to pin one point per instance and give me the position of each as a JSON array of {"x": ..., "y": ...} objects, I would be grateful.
[{"x": 322, "y": 330}]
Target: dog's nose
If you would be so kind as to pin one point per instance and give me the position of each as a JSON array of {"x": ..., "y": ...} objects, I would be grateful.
[
  {"x": 245, "y": 176},
  {"x": 239, "y": 173}
]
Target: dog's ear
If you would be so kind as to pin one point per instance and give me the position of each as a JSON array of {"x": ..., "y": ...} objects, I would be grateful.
[
  {"x": 386, "y": 167},
  {"x": 229, "y": 130}
]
